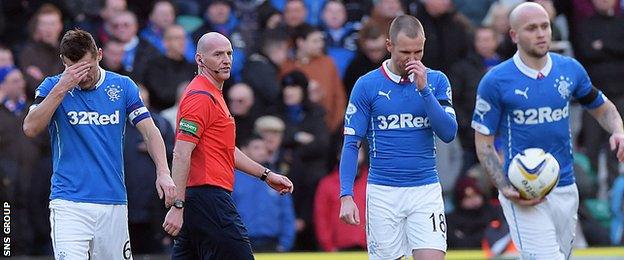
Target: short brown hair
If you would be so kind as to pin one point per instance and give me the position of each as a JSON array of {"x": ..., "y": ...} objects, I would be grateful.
[
  {"x": 76, "y": 43},
  {"x": 406, "y": 24},
  {"x": 370, "y": 31}
]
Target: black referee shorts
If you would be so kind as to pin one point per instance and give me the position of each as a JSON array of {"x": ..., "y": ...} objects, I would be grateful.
[{"x": 212, "y": 227}]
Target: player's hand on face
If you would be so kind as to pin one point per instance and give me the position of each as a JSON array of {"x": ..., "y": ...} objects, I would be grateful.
[
  {"x": 419, "y": 70},
  {"x": 280, "y": 183},
  {"x": 173, "y": 221},
  {"x": 512, "y": 194},
  {"x": 165, "y": 187},
  {"x": 349, "y": 213},
  {"x": 617, "y": 145},
  {"x": 74, "y": 74}
]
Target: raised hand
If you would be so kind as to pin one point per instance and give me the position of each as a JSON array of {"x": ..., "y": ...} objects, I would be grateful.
[
  {"x": 73, "y": 75},
  {"x": 419, "y": 70}
]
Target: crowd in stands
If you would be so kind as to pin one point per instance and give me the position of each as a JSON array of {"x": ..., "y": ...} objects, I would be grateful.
[{"x": 295, "y": 64}]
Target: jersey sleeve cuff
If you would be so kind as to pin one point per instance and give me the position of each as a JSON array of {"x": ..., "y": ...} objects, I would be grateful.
[{"x": 481, "y": 128}]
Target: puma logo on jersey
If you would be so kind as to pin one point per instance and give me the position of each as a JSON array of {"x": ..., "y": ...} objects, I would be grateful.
[
  {"x": 402, "y": 121},
  {"x": 387, "y": 95},
  {"x": 92, "y": 118},
  {"x": 522, "y": 93},
  {"x": 539, "y": 115}
]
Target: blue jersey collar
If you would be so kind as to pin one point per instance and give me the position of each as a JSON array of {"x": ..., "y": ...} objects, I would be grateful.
[{"x": 532, "y": 73}]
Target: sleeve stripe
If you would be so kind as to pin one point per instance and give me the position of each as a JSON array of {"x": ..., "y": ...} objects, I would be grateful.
[
  {"x": 449, "y": 110},
  {"x": 137, "y": 112},
  {"x": 140, "y": 117}
]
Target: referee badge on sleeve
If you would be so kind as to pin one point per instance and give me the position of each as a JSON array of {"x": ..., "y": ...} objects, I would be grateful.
[{"x": 188, "y": 127}]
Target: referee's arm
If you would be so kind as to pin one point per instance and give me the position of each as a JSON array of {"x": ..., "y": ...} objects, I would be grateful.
[{"x": 278, "y": 182}]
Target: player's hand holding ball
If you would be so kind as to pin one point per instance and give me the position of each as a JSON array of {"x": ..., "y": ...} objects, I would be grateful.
[
  {"x": 533, "y": 174},
  {"x": 73, "y": 75}
]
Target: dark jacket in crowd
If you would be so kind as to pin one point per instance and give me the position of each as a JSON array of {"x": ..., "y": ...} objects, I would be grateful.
[
  {"x": 162, "y": 76},
  {"x": 262, "y": 75},
  {"x": 464, "y": 77},
  {"x": 359, "y": 66},
  {"x": 605, "y": 66},
  {"x": 447, "y": 39},
  {"x": 43, "y": 56}
]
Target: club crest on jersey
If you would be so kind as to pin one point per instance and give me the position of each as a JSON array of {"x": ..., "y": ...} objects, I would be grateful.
[
  {"x": 563, "y": 86},
  {"x": 113, "y": 92}
]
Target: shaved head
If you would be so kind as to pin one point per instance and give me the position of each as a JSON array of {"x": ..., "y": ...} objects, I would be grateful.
[
  {"x": 209, "y": 40},
  {"x": 214, "y": 57},
  {"x": 523, "y": 12}
]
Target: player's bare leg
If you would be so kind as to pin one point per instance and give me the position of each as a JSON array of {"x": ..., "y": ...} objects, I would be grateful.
[{"x": 429, "y": 254}]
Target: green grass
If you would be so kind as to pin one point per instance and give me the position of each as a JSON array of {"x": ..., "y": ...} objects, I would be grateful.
[{"x": 452, "y": 254}]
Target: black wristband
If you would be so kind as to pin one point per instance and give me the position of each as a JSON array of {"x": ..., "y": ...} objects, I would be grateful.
[{"x": 265, "y": 174}]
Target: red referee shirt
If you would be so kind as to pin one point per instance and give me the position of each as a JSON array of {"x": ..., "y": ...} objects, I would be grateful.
[{"x": 204, "y": 119}]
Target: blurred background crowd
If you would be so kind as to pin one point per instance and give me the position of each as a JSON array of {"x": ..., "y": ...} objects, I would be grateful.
[{"x": 295, "y": 63}]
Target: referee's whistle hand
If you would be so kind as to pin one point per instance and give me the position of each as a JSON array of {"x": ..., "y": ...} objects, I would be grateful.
[
  {"x": 280, "y": 183},
  {"x": 173, "y": 221}
]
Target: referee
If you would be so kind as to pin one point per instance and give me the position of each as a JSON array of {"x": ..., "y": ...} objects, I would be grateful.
[{"x": 204, "y": 160}]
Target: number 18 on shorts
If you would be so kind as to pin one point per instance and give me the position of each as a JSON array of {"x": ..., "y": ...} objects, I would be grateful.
[{"x": 401, "y": 219}]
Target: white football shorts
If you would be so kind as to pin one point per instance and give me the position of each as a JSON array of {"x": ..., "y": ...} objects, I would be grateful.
[
  {"x": 401, "y": 219},
  {"x": 89, "y": 231},
  {"x": 546, "y": 230}
]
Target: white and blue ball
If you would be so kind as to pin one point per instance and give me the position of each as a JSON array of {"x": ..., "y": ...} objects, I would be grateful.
[{"x": 534, "y": 173}]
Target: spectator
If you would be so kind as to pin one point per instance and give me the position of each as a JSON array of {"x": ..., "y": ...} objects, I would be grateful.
[
  {"x": 271, "y": 223},
  {"x": 309, "y": 11},
  {"x": 6, "y": 58},
  {"x": 271, "y": 129},
  {"x": 464, "y": 77},
  {"x": 171, "y": 113},
  {"x": 331, "y": 233},
  {"x": 320, "y": 68},
  {"x": 371, "y": 53},
  {"x": 162, "y": 15},
  {"x": 384, "y": 11},
  {"x": 163, "y": 74},
  {"x": 240, "y": 102},
  {"x": 475, "y": 10},
  {"x": 219, "y": 17},
  {"x": 305, "y": 146},
  {"x": 295, "y": 13},
  {"x": 269, "y": 18},
  {"x": 40, "y": 54},
  {"x": 340, "y": 35},
  {"x": 261, "y": 70},
  {"x": 137, "y": 51},
  {"x": 472, "y": 215},
  {"x": 446, "y": 32},
  {"x": 100, "y": 26},
  {"x": 112, "y": 57},
  {"x": 498, "y": 19},
  {"x": 602, "y": 52},
  {"x": 144, "y": 208}
]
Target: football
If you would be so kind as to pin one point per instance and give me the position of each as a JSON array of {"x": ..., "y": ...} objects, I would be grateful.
[{"x": 534, "y": 173}]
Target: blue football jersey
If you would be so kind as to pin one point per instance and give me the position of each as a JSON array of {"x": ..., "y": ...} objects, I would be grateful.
[
  {"x": 390, "y": 113},
  {"x": 87, "y": 131},
  {"x": 526, "y": 108}
]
